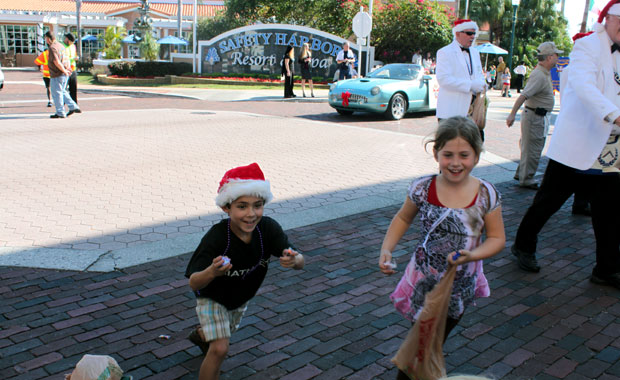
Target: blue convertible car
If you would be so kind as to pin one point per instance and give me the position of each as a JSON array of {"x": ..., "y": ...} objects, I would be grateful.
[{"x": 394, "y": 89}]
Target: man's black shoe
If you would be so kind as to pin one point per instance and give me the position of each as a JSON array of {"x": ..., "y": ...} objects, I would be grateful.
[
  {"x": 71, "y": 112},
  {"x": 585, "y": 210},
  {"x": 56, "y": 116},
  {"x": 531, "y": 186},
  {"x": 526, "y": 261},
  {"x": 609, "y": 279}
]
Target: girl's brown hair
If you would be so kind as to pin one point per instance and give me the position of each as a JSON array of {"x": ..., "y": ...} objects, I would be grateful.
[{"x": 456, "y": 126}]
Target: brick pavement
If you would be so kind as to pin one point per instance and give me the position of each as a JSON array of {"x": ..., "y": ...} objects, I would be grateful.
[
  {"x": 331, "y": 320},
  {"x": 110, "y": 189}
]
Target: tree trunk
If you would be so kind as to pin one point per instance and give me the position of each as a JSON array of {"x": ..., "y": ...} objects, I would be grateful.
[
  {"x": 585, "y": 17},
  {"x": 563, "y": 6}
]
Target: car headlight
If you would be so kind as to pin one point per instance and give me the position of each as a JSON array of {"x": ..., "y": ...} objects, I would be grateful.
[
  {"x": 375, "y": 90},
  {"x": 334, "y": 98}
]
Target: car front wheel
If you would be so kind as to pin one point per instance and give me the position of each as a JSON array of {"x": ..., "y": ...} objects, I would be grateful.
[
  {"x": 397, "y": 107},
  {"x": 344, "y": 112}
]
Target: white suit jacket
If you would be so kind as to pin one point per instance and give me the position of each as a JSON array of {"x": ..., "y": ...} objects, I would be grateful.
[
  {"x": 580, "y": 130},
  {"x": 454, "y": 80}
]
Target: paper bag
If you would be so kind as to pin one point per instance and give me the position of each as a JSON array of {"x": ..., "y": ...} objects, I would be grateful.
[
  {"x": 478, "y": 110},
  {"x": 420, "y": 356}
]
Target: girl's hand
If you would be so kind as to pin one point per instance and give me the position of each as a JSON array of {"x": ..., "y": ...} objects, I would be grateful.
[
  {"x": 459, "y": 257},
  {"x": 216, "y": 267},
  {"x": 385, "y": 260},
  {"x": 288, "y": 258}
]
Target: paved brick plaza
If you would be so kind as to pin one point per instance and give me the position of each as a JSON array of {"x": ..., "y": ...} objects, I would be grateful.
[
  {"x": 331, "y": 320},
  {"x": 61, "y": 193}
]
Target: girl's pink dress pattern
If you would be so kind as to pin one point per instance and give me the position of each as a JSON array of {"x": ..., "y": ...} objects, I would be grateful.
[{"x": 461, "y": 229}]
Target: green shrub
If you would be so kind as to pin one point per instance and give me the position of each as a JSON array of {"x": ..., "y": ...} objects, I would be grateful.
[
  {"x": 84, "y": 65},
  {"x": 122, "y": 68}
]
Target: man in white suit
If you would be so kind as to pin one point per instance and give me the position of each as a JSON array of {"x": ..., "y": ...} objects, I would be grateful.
[
  {"x": 585, "y": 142},
  {"x": 459, "y": 72}
]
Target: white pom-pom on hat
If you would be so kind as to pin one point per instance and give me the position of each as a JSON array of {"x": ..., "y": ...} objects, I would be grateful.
[{"x": 243, "y": 181}]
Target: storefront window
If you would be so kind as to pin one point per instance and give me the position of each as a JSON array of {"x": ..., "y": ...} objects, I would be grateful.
[{"x": 18, "y": 38}]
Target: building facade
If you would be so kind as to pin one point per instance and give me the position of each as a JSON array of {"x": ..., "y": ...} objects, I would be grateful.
[{"x": 23, "y": 22}]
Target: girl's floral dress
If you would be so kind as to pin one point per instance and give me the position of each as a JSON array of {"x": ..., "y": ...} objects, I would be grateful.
[{"x": 446, "y": 230}]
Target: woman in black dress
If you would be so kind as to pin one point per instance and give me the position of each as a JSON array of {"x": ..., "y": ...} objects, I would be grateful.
[
  {"x": 288, "y": 72},
  {"x": 305, "y": 61}
]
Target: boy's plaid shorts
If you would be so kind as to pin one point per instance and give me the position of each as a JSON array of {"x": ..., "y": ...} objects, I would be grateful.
[{"x": 216, "y": 321}]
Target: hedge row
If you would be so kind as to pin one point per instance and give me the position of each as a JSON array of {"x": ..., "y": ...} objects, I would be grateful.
[{"x": 148, "y": 69}]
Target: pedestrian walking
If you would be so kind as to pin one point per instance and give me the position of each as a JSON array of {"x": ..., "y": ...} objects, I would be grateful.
[
  {"x": 345, "y": 60},
  {"x": 501, "y": 66},
  {"x": 506, "y": 83},
  {"x": 42, "y": 61},
  {"x": 72, "y": 55},
  {"x": 416, "y": 58},
  {"x": 584, "y": 144},
  {"x": 427, "y": 63},
  {"x": 288, "y": 72},
  {"x": 459, "y": 72},
  {"x": 455, "y": 209},
  {"x": 305, "y": 61},
  {"x": 520, "y": 72},
  {"x": 539, "y": 101},
  {"x": 60, "y": 70},
  {"x": 231, "y": 262}
]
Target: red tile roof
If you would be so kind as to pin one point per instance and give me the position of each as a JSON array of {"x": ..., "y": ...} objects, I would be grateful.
[{"x": 104, "y": 7}]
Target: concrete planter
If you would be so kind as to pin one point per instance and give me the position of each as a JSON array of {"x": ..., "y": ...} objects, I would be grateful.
[{"x": 173, "y": 79}]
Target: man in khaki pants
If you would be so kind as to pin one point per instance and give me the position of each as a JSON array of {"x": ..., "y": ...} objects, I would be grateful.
[{"x": 539, "y": 101}]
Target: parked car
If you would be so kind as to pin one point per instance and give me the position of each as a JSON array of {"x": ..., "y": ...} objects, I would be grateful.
[
  {"x": 394, "y": 89},
  {"x": 1, "y": 78}
]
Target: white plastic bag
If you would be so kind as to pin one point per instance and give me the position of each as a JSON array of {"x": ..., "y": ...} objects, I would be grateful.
[{"x": 96, "y": 367}]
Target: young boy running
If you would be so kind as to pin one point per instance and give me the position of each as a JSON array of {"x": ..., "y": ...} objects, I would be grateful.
[{"x": 231, "y": 262}]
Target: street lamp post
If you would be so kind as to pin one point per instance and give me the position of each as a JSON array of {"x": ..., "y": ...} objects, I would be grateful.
[{"x": 515, "y": 5}]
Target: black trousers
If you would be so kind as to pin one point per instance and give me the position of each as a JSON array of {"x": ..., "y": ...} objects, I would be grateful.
[
  {"x": 72, "y": 84},
  {"x": 519, "y": 82},
  {"x": 288, "y": 86},
  {"x": 558, "y": 184}
]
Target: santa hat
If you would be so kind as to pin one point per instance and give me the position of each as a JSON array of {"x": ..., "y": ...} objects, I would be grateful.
[
  {"x": 581, "y": 35},
  {"x": 243, "y": 181},
  {"x": 612, "y": 8},
  {"x": 465, "y": 24}
]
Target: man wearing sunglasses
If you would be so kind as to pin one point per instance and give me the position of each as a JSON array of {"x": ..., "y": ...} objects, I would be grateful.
[
  {"x": 459, "y": 72},
  {"x": 584, "y": 149}
]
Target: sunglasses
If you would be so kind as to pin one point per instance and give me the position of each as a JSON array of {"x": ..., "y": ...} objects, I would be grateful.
[{"x": 470, "y": 33}]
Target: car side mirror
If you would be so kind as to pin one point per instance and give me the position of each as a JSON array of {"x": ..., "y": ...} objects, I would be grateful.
[{"x": 427, "y": 77}]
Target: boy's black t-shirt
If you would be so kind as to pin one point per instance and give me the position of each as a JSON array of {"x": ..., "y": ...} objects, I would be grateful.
[{"x": 248, "y": 270}]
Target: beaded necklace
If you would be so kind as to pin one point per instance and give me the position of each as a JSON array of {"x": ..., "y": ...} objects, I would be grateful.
[{"x": 262, "y": 249}]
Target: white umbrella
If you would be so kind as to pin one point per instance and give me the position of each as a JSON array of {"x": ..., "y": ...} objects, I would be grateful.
[{"x": 489, "y": 48}]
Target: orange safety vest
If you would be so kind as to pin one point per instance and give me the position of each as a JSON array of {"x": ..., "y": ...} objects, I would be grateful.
[{"x": 42, "y": 60}]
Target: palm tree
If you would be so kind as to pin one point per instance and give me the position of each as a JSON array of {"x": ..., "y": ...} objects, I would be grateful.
[
  {"x": 585, "y": 17},
  {"x": 112, "y": 41}
]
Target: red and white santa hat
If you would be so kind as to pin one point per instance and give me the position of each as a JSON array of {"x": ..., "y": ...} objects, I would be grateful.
[
  {"x": 464, "y": 24},
  {"x": 581, "y": 35},
  {"x": 612, "y": 8},
  {"x": 243, "y": 181}
]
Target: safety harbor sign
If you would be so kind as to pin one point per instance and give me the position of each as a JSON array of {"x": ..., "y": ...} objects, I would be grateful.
[{"x": 260, "y": 49}]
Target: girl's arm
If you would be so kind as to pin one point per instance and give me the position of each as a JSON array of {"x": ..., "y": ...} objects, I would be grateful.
[
  {"x": 494, "y": 243},
  {"x": 399, "y": 225}
]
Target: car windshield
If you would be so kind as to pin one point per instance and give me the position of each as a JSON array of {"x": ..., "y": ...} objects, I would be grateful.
[{"x": 397, "y": 71}]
